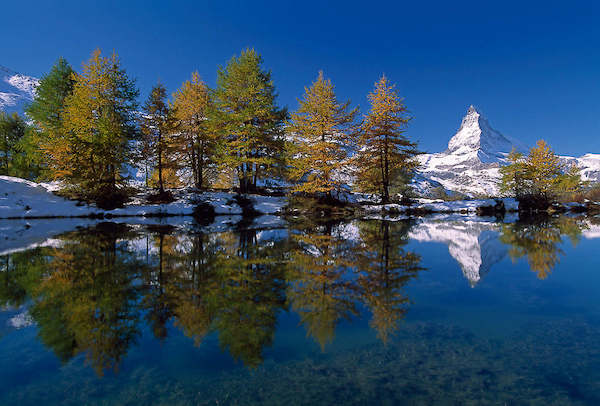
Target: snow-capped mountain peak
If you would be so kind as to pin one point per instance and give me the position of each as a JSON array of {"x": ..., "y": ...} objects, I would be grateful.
[
  {"x": 16, "y": 90},
  {"x": 474, "y": 155},
  {"x": 476, "y": 136}
]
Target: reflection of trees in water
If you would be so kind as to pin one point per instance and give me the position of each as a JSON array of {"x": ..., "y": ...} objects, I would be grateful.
[
  {"x": 90, "y": 294},
  {"x": 86, "y": 300},
  {"x": 317, "y": 288},
  {"x": 249, "y": 293},
  {"x": 539, "y": 241},
  {"x": 329, "y": 276},
  {"x": 385, "y": 268},
  {"x": 227, "y": 282},
  {"x": 18, "y": 272}
]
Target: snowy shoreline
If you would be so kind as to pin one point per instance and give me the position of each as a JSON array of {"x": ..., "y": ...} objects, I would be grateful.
[{"x": 22, "y": 199}]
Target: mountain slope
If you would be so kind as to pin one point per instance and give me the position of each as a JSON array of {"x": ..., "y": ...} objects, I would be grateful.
[
  {"x": 474, "y": 155},
  {"x": 16, "y": 90},
  {"x": 471, "y": 163}
]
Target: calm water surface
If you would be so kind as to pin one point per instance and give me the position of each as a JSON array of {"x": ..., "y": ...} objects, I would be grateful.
[{"x": 273, "y": 312}]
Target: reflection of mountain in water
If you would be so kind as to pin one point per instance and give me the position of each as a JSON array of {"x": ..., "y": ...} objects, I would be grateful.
[{"x": 474, "y": 245}]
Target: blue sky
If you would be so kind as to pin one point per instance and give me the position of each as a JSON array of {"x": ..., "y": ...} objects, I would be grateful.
[{"x": 533, "y": 68}]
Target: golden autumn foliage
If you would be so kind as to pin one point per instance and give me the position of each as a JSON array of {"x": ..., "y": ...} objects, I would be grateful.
[
  {"x": 194, "y": 142},
  {"x": 99, "y": 124},
  {"x": 385, "y": 158},
  {"x": 321, "y": 130},
  {"x": 539, "y": 178}
]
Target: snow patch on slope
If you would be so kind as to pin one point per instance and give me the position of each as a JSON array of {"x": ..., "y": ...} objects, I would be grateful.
[
  {"x": 472, "y": 161},
  {"x": 16, "y": 90}
]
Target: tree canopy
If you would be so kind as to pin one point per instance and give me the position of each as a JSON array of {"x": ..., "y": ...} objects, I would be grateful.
[
  {"x": 248, "y": 120},
  {"x": 385, "y": 157},
  {"x": 321, "y": 130},
  {"x": 540, "y": 178}
]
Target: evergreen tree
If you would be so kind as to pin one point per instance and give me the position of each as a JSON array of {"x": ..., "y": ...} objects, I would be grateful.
[
  {"x": 321, "y": 130},
  {"x": 156, "y": 124},
  {"x": 383, "y": 152},
  {"x": 47, "y": 113},
  {"x": 99, "y": 124},
  {"x": 193, "y": 139},
  {"x": 249, "y": 120},
  {"x": 12, "y": 131},
  {"x": 47, "y": 108}
]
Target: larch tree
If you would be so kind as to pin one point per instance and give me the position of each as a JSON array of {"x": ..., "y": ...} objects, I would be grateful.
[
  {"x": 514, "y": 178},
  {"x": 321, "y": 130},
  {"x": 248, "y": 120},
  {"x": 385, "y": 158},
  {"x": 156, "y": 125},
  {"x": 194, "y": 140},
  {"x": 540, "y": 178},
  {"x": 100, "y": 125}
]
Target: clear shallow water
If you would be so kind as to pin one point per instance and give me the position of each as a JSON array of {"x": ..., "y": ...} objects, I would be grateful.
[{"x": 444, "y": 312}]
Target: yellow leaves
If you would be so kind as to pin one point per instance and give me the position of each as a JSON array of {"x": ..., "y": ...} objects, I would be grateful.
[
  {"x": 321, "y": 130},
  {"x": 191, "y": 103},
  {"x": 541, "y": 175},
  {"x": 97, "y": 123},
  {"x": 384, "y": 153}
]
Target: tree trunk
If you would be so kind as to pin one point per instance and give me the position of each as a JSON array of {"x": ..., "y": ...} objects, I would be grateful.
[
  {"x": 386, "y": 182},
  {"x": 200, "y": 174},
  {"x": 160, "y": 177}
]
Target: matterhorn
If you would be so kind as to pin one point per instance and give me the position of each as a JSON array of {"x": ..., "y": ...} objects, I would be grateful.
[{"x": 474, "y": 156}]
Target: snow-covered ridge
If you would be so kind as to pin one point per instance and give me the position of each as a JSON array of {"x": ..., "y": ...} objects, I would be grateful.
[
  {"x": 16, "y": 90},
  {"x": 475, "y": 135},
  {"x": 474, "y": 156}
]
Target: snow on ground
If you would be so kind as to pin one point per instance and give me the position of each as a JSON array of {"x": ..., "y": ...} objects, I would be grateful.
[
  {"x": 21, "y": 198},
  {"x": 461, "y": 207}
]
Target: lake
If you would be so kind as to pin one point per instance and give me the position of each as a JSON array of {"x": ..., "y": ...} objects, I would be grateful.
[{"x": 437, "y": 310}]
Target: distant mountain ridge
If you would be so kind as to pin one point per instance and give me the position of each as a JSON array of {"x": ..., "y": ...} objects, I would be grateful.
[
  {"x": 16, "y": 90},
  {"x": 471, "y": 163}
]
